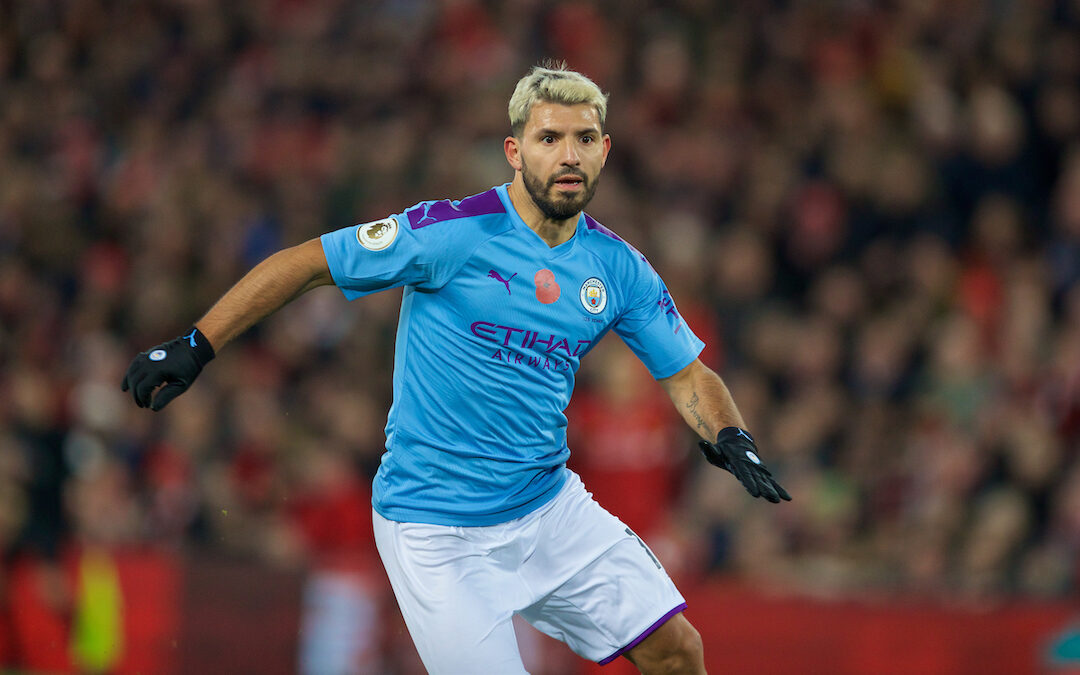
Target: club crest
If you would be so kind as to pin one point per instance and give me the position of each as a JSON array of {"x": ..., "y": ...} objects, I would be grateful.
[{"x": 593, "y": 295}]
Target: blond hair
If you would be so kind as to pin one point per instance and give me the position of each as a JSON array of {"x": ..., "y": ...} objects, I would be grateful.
[{"x": 553, "y": 82}]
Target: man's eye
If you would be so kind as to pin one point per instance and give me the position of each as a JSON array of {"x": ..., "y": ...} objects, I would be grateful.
[
  {"x": 547, "y": 139},
  {"x": 587, "y": 139}
]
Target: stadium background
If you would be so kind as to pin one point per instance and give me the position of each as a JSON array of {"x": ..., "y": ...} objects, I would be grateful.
[{"x": 869, "y": 210}]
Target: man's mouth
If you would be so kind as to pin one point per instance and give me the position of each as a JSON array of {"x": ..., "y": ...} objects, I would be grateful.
[{"x": 569, "y": 181}]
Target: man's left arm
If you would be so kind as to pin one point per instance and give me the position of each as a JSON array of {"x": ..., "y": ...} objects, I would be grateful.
[{"x": 703, "y": 400}]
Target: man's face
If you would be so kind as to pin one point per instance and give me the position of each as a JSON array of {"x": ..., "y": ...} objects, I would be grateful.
[{"x": 560, "y": 154}]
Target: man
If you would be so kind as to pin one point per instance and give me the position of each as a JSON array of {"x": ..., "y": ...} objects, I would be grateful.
[{"x": 476, "y": 515}]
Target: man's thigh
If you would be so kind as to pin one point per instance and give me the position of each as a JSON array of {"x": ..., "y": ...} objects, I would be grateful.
[
  {"x": 458, "y": 608},
  {"x": 612, "y": 592}
]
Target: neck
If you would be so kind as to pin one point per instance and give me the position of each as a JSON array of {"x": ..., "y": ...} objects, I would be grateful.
[{"x": 553, "y": 232}]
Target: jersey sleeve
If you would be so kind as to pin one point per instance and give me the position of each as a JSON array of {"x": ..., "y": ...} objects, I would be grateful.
[
  {"x": 652, "y": 326},
  {"x": 391, "y": 252}
]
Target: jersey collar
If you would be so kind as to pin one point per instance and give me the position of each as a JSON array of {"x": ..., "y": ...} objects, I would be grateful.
[{"x": 532, "y": 236}]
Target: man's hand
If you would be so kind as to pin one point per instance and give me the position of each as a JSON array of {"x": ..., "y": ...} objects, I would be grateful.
[
  {"x": 735, "y": 451},
  {"x": 174, "y": 364}
]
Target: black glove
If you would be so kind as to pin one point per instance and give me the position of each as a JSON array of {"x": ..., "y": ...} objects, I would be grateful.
[
  {"x": 174, "y": 364},
  {"x": 735, "y": 451}
]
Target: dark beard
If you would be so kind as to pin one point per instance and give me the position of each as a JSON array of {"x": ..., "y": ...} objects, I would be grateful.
[{"x": 561, "y": 207}]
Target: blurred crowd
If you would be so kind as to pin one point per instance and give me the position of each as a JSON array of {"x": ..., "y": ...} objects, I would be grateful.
[{"x": 869, "y": 210}]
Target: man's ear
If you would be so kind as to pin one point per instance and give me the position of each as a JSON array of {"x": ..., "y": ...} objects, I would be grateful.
[{"x": 513, "y": 152}]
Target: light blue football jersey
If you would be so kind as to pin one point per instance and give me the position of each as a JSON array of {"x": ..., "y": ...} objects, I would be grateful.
[{"x": 493, "y": 325}]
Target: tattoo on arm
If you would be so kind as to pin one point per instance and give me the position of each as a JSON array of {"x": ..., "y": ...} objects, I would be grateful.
[
  {"x": 703, "y": 400},
  {"x": 692, "y": 407}
]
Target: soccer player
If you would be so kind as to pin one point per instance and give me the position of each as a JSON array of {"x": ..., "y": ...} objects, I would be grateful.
[{"x": 476, "y": 515}]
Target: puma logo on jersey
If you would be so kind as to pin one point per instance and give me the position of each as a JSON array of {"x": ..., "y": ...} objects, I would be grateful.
[{"x": 505, "y": 282}]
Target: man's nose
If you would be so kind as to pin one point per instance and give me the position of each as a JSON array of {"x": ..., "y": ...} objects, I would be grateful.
[{"x": 570, "y": 155}]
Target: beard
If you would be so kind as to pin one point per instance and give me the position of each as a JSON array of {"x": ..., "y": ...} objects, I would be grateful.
[{"x": 561, "y": 206}]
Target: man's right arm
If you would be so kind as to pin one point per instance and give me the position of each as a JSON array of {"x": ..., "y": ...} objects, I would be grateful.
[
  {"x": 268, "y": 287},
  {"x": 160, "y": 374}
]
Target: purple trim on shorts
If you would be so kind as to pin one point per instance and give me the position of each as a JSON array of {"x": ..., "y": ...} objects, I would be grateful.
[{"x": 648, "y": 631}]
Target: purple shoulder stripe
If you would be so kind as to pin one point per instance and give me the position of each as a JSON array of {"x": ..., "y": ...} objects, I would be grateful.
[
  {"x": 592, "y": 224},
  {"x": 429, "y": 213}
]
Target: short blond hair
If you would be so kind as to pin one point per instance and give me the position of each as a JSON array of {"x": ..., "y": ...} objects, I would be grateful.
[{"x": 553, "y": 82}]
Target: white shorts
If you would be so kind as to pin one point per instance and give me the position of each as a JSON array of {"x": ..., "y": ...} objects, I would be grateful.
[{"x": 570, "y": 568}]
